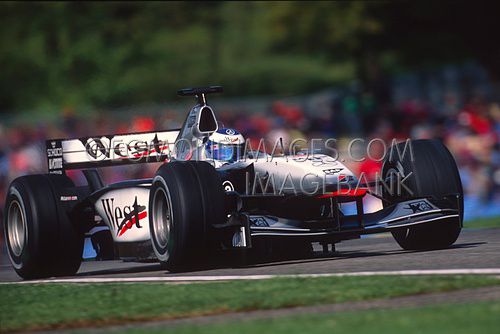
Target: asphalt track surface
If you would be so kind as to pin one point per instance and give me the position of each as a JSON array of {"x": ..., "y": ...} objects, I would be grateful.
[{"x": 475, "y": 249}]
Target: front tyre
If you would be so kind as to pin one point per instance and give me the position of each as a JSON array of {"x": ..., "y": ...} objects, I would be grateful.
[
  {"x": 431, "y": 171},
  {"x": 41, "y": 240},
  {"x": 186, "y": 199}
]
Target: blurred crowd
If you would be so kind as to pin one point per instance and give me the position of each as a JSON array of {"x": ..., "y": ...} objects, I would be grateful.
[{"x": 466, "y": 118}]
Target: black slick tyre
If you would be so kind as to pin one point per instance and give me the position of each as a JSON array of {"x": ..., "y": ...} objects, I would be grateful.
[{"x": 431, "y": 171}]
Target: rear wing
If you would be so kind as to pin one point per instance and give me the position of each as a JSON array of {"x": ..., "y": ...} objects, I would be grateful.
[{"x": 109, "y": 150}]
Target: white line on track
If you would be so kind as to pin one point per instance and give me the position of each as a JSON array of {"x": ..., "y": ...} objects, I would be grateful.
[{"x": 177, "y": 279}]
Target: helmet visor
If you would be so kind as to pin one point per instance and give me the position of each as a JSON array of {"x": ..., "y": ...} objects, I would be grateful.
[{"x": 223, "y": 152}]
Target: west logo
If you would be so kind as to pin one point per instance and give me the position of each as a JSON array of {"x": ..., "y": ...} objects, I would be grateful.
[{"x": 123, "y": 219}]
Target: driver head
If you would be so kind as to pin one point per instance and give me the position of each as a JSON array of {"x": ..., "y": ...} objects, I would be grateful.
[{"x": 225, "y": 145}]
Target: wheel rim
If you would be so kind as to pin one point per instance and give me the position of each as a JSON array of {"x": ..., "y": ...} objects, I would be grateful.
[
  {"x": 162, "y": 217},
  {"x": 16, "y": 227}
]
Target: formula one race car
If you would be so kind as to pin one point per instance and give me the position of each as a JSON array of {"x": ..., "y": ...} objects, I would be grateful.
[{"x": 214, "y": 193}]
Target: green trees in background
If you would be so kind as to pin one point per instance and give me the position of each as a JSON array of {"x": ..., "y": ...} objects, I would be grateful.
[{"x": 113, "y": 54}]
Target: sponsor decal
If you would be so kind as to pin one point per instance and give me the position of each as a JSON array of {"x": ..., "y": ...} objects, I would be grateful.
[
  {"x": 316, "y": 161},
  {"x": 54, "y": 156},
  {"x": 259, "y": 222},
  {"x": 54, "y": 151},
  {"x": 115, "y": 147},
  {"x": 229, "y": 140},
  {"x": 230, "y": 132},
  {"x": 55, "y": 163},
  {"x": 123, "y": 219},
  {"x": 332, "y": 171},
  {"x": 420, "y": 206},
  {"x": 69, "y": 198},
  {"x": 228, "y": 186}
]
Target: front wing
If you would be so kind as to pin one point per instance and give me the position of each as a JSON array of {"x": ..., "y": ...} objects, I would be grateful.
[{"x": 400, "y": 215}]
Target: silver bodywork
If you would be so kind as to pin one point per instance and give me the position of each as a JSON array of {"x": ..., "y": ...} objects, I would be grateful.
[{"x": 124, "y": 206}]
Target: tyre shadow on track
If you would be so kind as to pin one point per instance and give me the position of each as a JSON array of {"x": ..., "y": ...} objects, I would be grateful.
[
  {"x": 117, "y": 271},
  {"x": 232, "y": 264},
  {"x": 343, "y": 255},
  {"x": 467, "y": 245}
]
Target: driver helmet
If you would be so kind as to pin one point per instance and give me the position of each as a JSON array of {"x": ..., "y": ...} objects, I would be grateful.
[{"x": 225, "y": 145}]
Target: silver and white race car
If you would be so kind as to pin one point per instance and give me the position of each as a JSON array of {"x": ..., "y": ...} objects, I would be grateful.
[{"x": 213, "y": 195}]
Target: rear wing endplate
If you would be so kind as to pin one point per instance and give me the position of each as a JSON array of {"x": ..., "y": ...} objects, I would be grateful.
[{"x": 109, "y": 150}]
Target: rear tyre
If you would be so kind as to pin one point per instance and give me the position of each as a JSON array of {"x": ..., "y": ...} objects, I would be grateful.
[
  {"x": 433, "y": 173},
  {"x": 186, "y": 199},
  {"x": 41, "y": 240}
]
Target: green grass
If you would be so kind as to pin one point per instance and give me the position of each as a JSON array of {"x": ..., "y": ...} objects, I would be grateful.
[
  {"x": 29, "y": 306},
  {"x": 483, "y": 223},
  {"x": 454, "y": 319}
]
